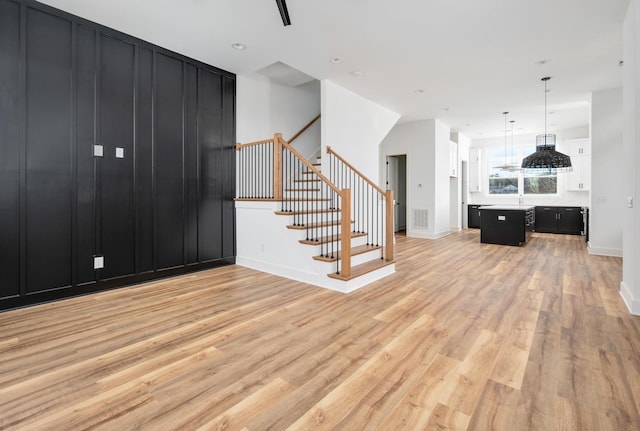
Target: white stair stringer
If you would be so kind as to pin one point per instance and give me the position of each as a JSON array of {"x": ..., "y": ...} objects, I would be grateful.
[{"x": 264, "y": 243}]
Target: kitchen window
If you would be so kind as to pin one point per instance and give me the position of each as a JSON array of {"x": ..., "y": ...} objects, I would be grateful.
[
  {"x": 503, "y": 182},
  {"x": 539, "y": 183}
]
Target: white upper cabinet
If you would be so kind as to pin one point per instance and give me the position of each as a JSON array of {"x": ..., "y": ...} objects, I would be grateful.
[{"x": 580, "y": 152}]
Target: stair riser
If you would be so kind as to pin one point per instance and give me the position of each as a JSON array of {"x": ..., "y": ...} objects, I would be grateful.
[
  {"x": 365, "y": 257},
  {"x": 336, "y": 244}
]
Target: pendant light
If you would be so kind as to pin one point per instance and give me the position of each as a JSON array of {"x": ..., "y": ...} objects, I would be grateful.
[
  {"x": 506, "y": 166},
  {"x": 546, "y": 158},
  {"x": 513, "y": 166}
]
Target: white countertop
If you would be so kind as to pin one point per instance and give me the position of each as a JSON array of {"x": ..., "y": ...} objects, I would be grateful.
[{"x": 507, "y": 207}]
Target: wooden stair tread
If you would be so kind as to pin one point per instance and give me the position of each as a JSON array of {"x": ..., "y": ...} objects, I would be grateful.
[
  {"x": 299, "y": 199},
  {"x": 322, "y": 211},
  {"x": 361, "y": 249},
  {"x": 330, "y": 238},
  {"x": 365, "y": 268},
  {"x": 306, "y": 181},
  {"x": 317, "y": 225},
  {"x": 302, "y": 190}
]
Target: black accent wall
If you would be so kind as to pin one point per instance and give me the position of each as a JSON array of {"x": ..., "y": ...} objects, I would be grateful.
[{"x": 164, "y": 208}]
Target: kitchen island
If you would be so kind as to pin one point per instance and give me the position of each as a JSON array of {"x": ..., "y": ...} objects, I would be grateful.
[{"x": 506, "y": 224}]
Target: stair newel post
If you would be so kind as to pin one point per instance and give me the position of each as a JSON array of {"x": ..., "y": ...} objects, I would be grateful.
[
  {"x": 345, "y": 233},
  {"x": 388, "y": 255},
  {"x": 277, "y": 167}
]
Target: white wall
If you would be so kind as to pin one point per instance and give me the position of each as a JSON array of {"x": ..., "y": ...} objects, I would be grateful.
[
  {"x": 630, "y": 285},
  {"x": 291, "y": 109},
  {"x": 459, "y": 212},
  {"x": 426, "y": 144},
  {"x": 253, "y": 104},
  {"x": 442, "y": 186},
  {"x": 564, "y": 197},
  {"x": 264, "y": 107},
  {"x": 607, "y": 196},
  {"x": 354, "y": 127}
]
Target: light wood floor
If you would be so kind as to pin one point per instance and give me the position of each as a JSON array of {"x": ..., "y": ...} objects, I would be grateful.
[{"x": 463, "y": 336}]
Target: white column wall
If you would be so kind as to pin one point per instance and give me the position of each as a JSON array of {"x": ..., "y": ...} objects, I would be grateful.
[
  {"x": 426, "y": 145},
  {"x": 442, "y": 186},
  {"x": 607, "y": 196},
  {"x": 630, "y": 285},
  {"x": 354, "y": 127}
]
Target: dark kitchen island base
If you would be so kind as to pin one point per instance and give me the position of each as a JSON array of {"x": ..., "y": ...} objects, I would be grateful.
[{"x": 506, "y": 225}]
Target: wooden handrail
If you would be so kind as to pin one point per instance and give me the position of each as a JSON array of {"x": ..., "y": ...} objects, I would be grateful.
[
  {"x": 251, "y": 144},
  {"x": 265, "y": 141},
  {"x": 304, "y": 129},
  {"x": 309, "y": 165},
  {"x": 349, "y": 165}
]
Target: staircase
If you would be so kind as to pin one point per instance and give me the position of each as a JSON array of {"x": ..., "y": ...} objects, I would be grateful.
[{"x": 322, "y": 223}]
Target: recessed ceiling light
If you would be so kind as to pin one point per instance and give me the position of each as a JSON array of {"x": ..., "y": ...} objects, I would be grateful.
[
  {"x": 541, "y": 62},
  {"x": 357, "y": 73},
  {"x": 336, "y": 60},
  {"x": 238, "y": 46},
  {"x": 419, "y": 91}
]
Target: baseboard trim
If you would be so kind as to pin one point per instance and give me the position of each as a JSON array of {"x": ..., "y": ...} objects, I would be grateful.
[
  {"x": 319, "y": 280},
  {"x": 627, "y": 296},
  {"x": 425, "y": 235},
  {"x": 603, "y": 251}
]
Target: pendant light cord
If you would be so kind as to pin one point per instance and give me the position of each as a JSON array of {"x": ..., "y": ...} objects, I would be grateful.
[
  {"x": 545, "y": 79},
  {"x": 505, "y": 137}
]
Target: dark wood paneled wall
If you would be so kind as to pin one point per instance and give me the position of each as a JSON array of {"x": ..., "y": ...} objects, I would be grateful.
[{"x": 164, "y": 208}]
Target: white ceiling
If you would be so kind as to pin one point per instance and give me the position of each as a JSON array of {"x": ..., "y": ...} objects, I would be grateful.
[{"x": 476, "y": 58}]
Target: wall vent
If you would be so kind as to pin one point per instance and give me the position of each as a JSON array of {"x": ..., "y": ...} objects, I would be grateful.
[{"x": 421, "y": 218}]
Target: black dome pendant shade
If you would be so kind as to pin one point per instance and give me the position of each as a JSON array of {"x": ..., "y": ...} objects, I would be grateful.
[{"x": 546, "y": 158}]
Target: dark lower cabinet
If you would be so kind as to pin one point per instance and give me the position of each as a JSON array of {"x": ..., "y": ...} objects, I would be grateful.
[
  {"x": 564, "y": 220},
  {"x": 473, "y": 216},
  {"x": 111, "y": 148},
  {"x": 507, "y": 226}
]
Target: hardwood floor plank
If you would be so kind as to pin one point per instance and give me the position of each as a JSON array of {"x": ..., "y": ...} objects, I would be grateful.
[
  {"x": 463, "y": 336},
  {"x": 414, "y": 410},
  {"x": 251, "y": 407},
  {"x": 496, "y": 408}
]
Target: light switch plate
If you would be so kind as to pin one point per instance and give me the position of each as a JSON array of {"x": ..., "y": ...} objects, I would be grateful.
[
  {"x": 98, "y": 262},
  {"x": 98, "y": 151},
  {"x": 119, "y": 153}
]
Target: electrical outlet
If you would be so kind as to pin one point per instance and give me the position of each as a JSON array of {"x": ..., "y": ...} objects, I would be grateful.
[
  {"x": 98, "y": 151},
  {"x": 119, "y": 153},
  {"x": 98, "y": 262},
  {"x": 630, "y": 201}
]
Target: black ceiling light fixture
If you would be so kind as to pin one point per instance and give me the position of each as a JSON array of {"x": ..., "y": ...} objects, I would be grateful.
[
  {"x": 546, "y": 158},
  {"x": 284, "y": 13}
]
